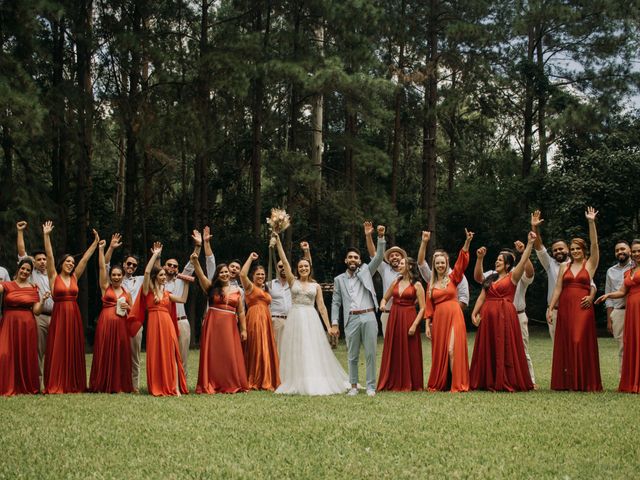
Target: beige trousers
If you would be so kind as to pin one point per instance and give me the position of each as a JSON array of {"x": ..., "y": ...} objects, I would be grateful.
[
  {"x": 617, "y": 324},
  {"x": 136, "y": 347},
  {"x": 552, "y": 326},
  {"x": 184, "y": 340},
  {"x": 384, "y": 318},
  {"x": 43, "y": 322},
  {"x": 278, "y": 327},
  {"x": 524, "y": 327}
]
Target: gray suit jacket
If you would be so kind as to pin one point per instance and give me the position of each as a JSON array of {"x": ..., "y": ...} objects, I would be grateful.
[{"x": 365, "y": 273}]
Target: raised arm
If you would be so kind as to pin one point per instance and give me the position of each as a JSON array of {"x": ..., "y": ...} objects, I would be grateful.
[
  {"x": 376, "y": 261},
  {"x": 518, "y": 270},
  {"x": 247, "y": 284},
  {"x": 155, "y": 251},
  {"x": 529, "y": 271},
  {"x": 594, "y": 257},
  {"x": 204, "y": 282},
  {"x": 536, "y": 221},
  {"x": 82, "y": 264},
  {"x": 47, "y": 228},
  {"x": 478, "y": 270},
  {"x": 115, "y": 243},
  {"x": 20, "y": 227},
  {"x": 422, "y": 251},
  {"x": 368, "y": 237},
  {"x": 283, "y": 258},
  {"x": 102, "y": 267},
  {"x": 306, "y": 252},
  {"x": 209, "y": 257},
  {"x": 197, "y": 246}
]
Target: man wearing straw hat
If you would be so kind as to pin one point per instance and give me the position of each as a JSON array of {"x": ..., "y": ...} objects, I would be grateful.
[{"x": 388, "y": 270}]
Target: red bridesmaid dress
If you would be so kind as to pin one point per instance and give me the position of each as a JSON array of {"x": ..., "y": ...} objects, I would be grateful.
[
  {"x": 260, "y": 352},
  {"x": 19, "y": 370},
  {"x": 499, "y": 362},
  {"x": 64, "y": 361},
  {"x": 630, "y": 377},
  {"x": 576, "y": 365},
  {"x": 222, "y": 368},
  {"x": 401, "y": 366},
  {"x": 111, "y": 367},
  {"x": 447, "y": 319}
]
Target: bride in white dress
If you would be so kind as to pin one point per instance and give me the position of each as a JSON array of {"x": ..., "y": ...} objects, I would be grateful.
[{"x": 307, "y": 363}]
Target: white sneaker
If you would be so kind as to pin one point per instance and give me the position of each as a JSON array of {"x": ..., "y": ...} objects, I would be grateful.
[
  {"x": 352, "y": 392},
  {"x": 371, "y": 392}
]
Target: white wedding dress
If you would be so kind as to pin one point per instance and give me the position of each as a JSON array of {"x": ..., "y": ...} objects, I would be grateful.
[{"x": 307, "y": 363}]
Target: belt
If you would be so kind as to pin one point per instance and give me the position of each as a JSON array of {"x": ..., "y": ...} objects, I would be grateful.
[
  {"x": 278, "y": 316},
  {"x": 521, "y": 311},
  {"x": 385, "y": 311},
  {"x": 183, "y": 317},
  {"x": 619, "y": 308},
  {"x": 46, "y": 314},
  {"x": 360, "y": 312}
]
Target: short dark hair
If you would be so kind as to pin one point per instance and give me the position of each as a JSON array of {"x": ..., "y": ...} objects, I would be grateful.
[
  {"x": 131, "y": 255},
  {"x": 622, "y": 241},
  {"x": 39, "y": 252},
  {"x": 559, "y": 240},
  {"x": 235, "y": 260},
  {"x": 117, "y": 266},
  {"x": 635, "y": 241},
  {"x": 352, "y": 249}
]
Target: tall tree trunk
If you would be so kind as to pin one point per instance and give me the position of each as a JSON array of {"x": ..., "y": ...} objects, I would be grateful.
[
  {"x": 316, "y": 124},
  {"x": 542, "y": 104},
  {"x": 527, "y": 151},
  {"x": 397, "y": 123},
  {"x": 350, "y": 164},
  {"x": 453, "y": 144},
  {"x": 83, "y": 34}
]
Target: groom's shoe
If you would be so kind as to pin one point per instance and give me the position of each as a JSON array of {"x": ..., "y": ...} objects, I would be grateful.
[
  {"x": 352, "y": 392},
  {"x": 371, "y": 392}
]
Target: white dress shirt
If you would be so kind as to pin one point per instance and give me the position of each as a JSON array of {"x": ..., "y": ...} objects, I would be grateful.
[
  {"x": 280, "y": 297},
  {"x": 615, "y": 279},
  {"x": 176, "y": 287},
  {"x": 388, "y": 275}
]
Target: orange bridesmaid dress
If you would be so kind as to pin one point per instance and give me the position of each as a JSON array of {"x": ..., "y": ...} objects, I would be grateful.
[
  {"x": 576, "y": 362},
  {"x": 222, "y": 368},
  {"x": 447, "y": 319},
  {"x": 19, "y": 370},
  {"x": 630, "y": 377},
  {"x": 64, "y": 361},
  {"x": 111, "y": 366},
  {"x": 260, "y": 352}
]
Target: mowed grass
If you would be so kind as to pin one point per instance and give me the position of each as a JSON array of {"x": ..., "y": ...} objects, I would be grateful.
[{"x": 539, "y": 434}]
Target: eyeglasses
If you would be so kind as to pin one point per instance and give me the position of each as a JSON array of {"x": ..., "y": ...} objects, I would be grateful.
[
  {"x": 131, "y": 264},
  {"x": 172, "y": 265}
]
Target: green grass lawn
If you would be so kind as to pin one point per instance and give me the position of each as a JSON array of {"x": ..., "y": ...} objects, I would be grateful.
[{"x": 471, "y": 435}]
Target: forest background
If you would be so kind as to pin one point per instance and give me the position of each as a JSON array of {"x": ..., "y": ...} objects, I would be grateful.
[{"x": 151, "y": 118}]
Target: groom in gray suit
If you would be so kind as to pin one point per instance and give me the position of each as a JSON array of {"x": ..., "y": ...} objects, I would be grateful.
[{"x": 354, "y": 291}]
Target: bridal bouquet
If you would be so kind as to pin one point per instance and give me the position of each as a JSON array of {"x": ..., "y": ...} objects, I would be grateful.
[{"x": 279, "y": 221}]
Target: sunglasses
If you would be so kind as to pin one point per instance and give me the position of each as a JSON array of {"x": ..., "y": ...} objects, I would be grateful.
[
  {"x": 131, "y": 264},
  {"x": 172, "y": 265}
]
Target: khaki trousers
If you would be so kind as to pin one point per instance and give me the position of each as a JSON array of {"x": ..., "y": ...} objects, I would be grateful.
[
  {"x": 617, "y": 324},
  {"x": 184, "y": 341},
  {"x": 524, "y": 327},
  {"x": 42, "y": 322},
  {"x": 136, "y": 347},
  {"x": 278, "y": 328},
  {"x": 384, "y": 318}
]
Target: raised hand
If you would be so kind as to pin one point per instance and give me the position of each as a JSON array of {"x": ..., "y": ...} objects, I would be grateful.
[
  {"x": 197, "y": 237},
  {"x": 194, "y": 257},
  {"x": 368, "y": 227},
  {"x": 206, "y": 234},
  {"x": 253, "y": 256},
  {"x": 590, "y": 214},
  {"x": 157, "y": 248},
  {"x": 102, "y": 244},
  {"x": 116, "y": 241},
  {"x": 304, "y": 246},
  {"x": 426, "y": 236},
  {"x": 21, "y": 225},
  {"x": 47, "y": 227},
  {"x": 535, "y": 219},
  {"x": 531, "y": 237},
  {"x": 381, "y": 230},
  {"x": 481, "y": 252},
  {"x": 469, "y": 235},
  {"x": 519, "y": 246},
  {"x": 96, "y": 237}
]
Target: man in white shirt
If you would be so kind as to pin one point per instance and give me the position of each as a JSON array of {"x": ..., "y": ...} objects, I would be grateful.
[
  {"x": 616, "y": 306},
  {"x": 40, "y": 278},
  {"x": 560, "y": 253},
  {"x": 425, "y": 271},
  {"x": 389, "y": 270},
  {"x": 519, "y": 300}
]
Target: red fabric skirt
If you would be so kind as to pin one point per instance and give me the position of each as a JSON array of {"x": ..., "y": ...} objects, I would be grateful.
[
  {"x": 19, "y": 370},
  {"x": 630, "y": 377},
  {"x": 164, "y": 364}
]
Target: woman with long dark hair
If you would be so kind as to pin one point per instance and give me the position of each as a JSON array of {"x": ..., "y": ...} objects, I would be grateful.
[
  {"x": 64, "y": 362},
  {"x": 260, "y": 352},
  {"x": 111, "y": 366},
  {"x": 222, "y": 368},
  {"x": 401, "y": 365},
  {"x": 19, "y": 370},
  {"x": 576, "y": 363},
  {"x": 499, "y": 362}
]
